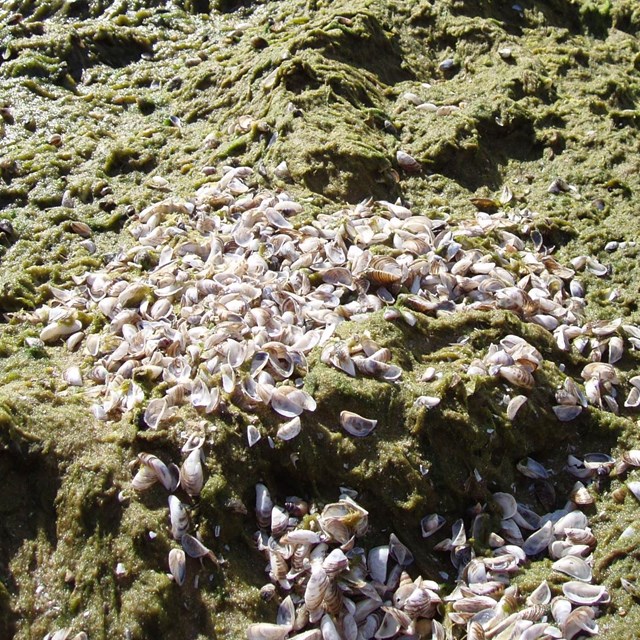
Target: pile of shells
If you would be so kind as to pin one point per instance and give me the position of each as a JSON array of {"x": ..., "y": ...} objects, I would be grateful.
[
  {"x": 334, "y": 584},
  {"x": 221, "y": 299},
  {"x": 337, "y": 590},
  {"x": 190, "y": 478}
]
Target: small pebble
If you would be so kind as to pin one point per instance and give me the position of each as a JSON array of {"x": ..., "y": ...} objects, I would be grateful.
[{"x": 447, "y": 64}]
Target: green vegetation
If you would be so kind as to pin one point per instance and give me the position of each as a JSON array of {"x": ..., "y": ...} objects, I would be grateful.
[{"x": 101, "y": 97}]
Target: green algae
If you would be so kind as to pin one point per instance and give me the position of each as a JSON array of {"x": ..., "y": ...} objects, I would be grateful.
[{"x": 326, "y": 96}]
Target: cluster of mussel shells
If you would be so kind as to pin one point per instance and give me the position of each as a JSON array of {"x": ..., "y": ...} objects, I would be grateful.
[
  {"x": 515, "y": 361},
  {"x": 597, "y": 468},
  {"x": 336, "y": 589},
  {"x": 229, "y": 296},
  {"x": 190, "y": 478}
]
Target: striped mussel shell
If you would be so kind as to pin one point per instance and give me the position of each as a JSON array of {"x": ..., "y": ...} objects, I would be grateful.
[
  {"x": 290, "y": 402},
  {"x": 279, "y": 521},
  {"x": 152, "y": 466},
  {"x": 192, "y": 473},
  {"x": 179, "y": 518},
  {"x": 422, "y": 603},
  {"x": 316, "y": 588},
  {"x": 514, "y": 406},
  {"x": 378, "y": 369},
  {"x": 383, "y": 270},
  {"x": 407, "y": 162},
  {"x": 632, "y": 457},
  {"x": 264, "y": 506},
  {"x": 518, "y": 376},
  {"x": 335, "y": 562}
]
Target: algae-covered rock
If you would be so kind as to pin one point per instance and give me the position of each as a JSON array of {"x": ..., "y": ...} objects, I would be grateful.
[{"x": 522, "y": 122}]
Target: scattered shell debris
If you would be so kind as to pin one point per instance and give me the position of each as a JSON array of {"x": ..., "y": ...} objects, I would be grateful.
[
  {"x": 230, "y": 297},
  {"x": 220, "y": 301},
  {"x": 337, "y": 589},
  {"x": 190, "y": 478}
]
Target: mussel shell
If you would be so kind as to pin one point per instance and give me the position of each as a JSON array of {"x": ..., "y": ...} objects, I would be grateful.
[
  {"x": 566, "y": 413},
  {"x": 541, "y": 594},
  {"x": 264, "y": 506},
  {"x": 290, "y": 429},
  {"x": 178, "y": 565},
  {"x": 316, "y": 588},
  {"x": 574, "y": 567},
  {"x": 538, "y": 541},
  {"x": 583, "y": 593},
  {"x": 356, "y": 425},
  {"x": 578, "y": 622},
  {"x": 192, "y": 473},
  {"x": 532, "y": 469},
  {"x": 179, "y": 518},
  {"x": 162, "y": 472},
  {"x": 431, "y": 523},
  {"x": 506, "y": 503},
  {"x": 194, "y": 548},
  {"x": 267, "y": 631},
  {"x": 517, "y": 376},
  {"x": 514, "y": 406},
  {"x": 399, "y": 552}
]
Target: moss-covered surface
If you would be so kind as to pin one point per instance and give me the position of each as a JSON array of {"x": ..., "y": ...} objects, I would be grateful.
[{"x": 101, "y": 97}]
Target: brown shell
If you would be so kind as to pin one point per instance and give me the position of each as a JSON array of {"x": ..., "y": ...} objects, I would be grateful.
[
  {"x": 407, "y": 162},
  {"x": 517, "y": 376}
]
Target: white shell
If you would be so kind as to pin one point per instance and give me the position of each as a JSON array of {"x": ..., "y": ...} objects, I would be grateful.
[
  {"x": 583, "y": 593},
  {"x": 506, "y": 503},
  {"x": 289, "y": 430},
  {"x": 431, "y": 523},
  {"x": 377, "y": 563},
  {"x": 253, "y": 435},
  {"x": 574, "y": 567},
  {"x": 514, "y": 406},
  {"x": 541, "y": 594},
  {"x": 560, "y": 609},
  {"x": 178, "y": 565},
  {"x": 537, "y": 542},
  {"x": 267, "y": 631},
  {"x": 73, "y": 376}
]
